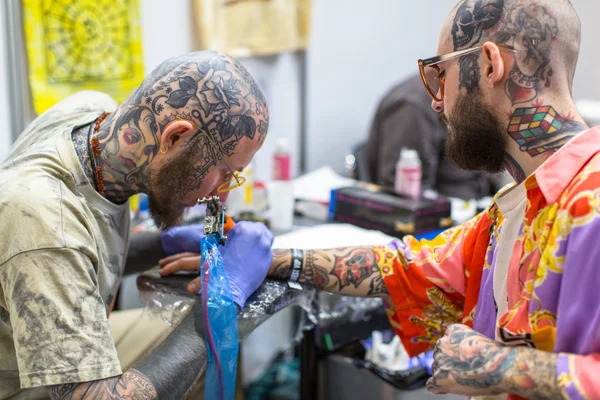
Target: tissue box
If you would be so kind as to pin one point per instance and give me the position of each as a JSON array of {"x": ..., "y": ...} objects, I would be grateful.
[{"x": 371, "y": 207}]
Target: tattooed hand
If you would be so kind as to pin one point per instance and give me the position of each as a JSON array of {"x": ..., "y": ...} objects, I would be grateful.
[{"x": 468, "y": 363}]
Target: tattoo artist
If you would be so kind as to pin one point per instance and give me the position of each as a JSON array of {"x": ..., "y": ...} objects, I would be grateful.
[
  {"x": 186, "y": 133},
  {"x": 508, "y": 300}
]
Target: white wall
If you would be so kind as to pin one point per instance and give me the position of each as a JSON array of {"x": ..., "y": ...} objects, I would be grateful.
[
  {"x": 5, "y": 133},
  {"x": 358, "y": 51},
  {"x": 587, "y": 80}
]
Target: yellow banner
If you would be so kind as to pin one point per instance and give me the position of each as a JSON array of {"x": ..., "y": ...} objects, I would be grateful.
[
  {"x": 243, "y": 28},
  {"x": 75, "y": 45}
]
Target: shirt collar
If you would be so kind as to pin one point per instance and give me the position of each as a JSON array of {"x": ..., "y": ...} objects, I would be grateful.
[{"x": 554, "y": 175}]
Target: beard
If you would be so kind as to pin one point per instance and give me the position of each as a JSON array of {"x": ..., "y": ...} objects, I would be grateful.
[
  {"x": 165, "y": 186},
  {"x": 476, "y": 141}
]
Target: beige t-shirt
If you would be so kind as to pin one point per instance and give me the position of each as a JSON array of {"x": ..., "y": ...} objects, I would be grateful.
[{"x": 62, "y": 253}]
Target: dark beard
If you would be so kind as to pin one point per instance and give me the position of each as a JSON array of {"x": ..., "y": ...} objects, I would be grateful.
[
  {"x": 476, "y": 141},
  {"x": 166, "y": 187}
]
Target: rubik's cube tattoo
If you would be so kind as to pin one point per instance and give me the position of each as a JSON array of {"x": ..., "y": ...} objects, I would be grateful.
[{"x": 529, "y": 125}]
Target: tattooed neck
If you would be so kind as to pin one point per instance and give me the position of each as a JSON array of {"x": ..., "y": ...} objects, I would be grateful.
[
  {"x": 123, "y": 176},
  {"x": 80, "y": 143},
  {"x": 513, "y": 168},
  {"x": 539, "y": 130}
]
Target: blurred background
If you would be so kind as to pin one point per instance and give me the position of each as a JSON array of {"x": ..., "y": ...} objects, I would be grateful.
[
  {"x": 324, "y": 66},
  {"x": 322, "y": 99}
]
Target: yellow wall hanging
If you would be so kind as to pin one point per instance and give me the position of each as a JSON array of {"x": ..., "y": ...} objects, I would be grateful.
[{"x": 75, "y": 45}]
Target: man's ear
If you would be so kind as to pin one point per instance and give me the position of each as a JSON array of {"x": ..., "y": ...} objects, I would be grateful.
[
  {"x": 494, "y": 68},
  {"x": 173, "y": 134}
]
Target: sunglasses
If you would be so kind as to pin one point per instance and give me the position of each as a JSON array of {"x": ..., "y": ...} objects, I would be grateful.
[
  {"x": 228, "y": 184},
  {"x": 434, "y": 79}
]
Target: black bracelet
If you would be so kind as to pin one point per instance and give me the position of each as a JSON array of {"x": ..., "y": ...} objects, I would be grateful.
[{"x": 297, "y": 261}]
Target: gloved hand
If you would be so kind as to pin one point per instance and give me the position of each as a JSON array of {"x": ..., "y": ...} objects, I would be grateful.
[
  {"x": 247, "y": 257},
  {"x": 181, "y": 239}
]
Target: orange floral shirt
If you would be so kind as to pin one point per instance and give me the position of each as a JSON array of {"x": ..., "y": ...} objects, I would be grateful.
[{"x": 552, "y": 281}]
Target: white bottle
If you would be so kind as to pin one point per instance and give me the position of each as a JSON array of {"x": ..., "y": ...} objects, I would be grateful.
[{"x": 408, "y": 174}]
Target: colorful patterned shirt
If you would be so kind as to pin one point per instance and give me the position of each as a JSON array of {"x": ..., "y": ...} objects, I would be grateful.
[{"x": 552, "y": 281}]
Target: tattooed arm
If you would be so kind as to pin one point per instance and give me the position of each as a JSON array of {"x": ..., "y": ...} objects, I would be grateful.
[
  {"x": 468, "y": 363},
  {"x": 168, "y": 372},
  {"x": 351, "y": 271},
  {"x": 132, "y": 384}
]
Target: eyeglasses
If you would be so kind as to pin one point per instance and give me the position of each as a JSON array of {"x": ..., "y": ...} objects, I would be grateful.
[
  {"x": 434, "y": 79},
  {"x": 227, "y": 185}
]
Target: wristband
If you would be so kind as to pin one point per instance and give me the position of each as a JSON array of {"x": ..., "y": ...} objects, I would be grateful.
[{"x": 297, "y": 261}]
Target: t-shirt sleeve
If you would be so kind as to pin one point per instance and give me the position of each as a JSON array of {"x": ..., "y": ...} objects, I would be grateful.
[{"x": 60, "y": 326}]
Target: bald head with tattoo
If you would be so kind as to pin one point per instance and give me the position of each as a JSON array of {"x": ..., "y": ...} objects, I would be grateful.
[
  {"x": 508, "y": 104},
  {"x": 193, "y": 122}
]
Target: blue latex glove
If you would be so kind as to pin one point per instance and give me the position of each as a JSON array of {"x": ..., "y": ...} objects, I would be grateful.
[
  {"x": 181, "y": 239},
  {"x": 247, "y": 257}
]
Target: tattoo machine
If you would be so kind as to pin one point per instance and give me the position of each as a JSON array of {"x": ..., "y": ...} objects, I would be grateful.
[
  {"x": 218, "y": 308},
  {"x": 216, "y": 221}
]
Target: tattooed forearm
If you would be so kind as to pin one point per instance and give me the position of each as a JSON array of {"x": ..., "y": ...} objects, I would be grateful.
[
  {"x": 131, "y": 385},
  {"x": 314, "y": 271},
  {"x": 377, "y": 287},
  {"x": 348, "y": 271},
  {"x": 533, "y": 375},
  {"x": 468, "y": 363},
  {"x": 63, "y": 392},
  {"x": 281, "y": 265}
]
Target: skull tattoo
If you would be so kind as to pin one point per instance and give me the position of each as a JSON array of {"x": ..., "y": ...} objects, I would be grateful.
[{"x": 472, "y": 19}]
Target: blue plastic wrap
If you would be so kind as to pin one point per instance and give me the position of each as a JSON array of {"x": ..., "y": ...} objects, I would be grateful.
[{"x": 220, "y": 321}]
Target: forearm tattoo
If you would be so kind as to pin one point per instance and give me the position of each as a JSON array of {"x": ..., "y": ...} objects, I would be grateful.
[
  {"x": 489, "y": 367},
  {"x": 533, "y": 375},
  {"x": 281, "y": 265},
  {"x": 351, "y": 271}
]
